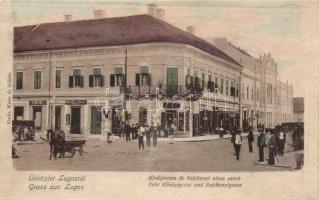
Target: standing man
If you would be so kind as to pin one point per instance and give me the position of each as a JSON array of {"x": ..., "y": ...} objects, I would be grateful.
[
  {"x": 140, "y": 134},
  {"x": 272, "y": 149},
  {"x": 232, "y": 140},
  {"x": 148, "y": 136},
  {"x": 134, "y": 131},
  {"x": 155, "y": 134},
  {"x": 281, "y": 142},
  {"x": 261, "y": 144},
  {"x": 127, "y": 132},
  {"x": 238, "y": 140},
  {"x": 250, "y": 138}
]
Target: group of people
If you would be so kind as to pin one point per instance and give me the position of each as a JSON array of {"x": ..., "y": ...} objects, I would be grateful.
[
  {"x": 138, "y": 131},
  {"x": 274, "y": 139},
  {"x": 24, "y": 133}
]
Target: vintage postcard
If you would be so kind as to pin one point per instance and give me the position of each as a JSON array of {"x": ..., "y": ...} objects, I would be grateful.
[{"x": 159, "y": 99}]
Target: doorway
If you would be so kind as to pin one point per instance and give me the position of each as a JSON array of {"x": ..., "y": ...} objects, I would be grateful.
[
  {"x": 37, "y": 117},
  {"x": 75, "y": 120},
  {"x": 57, "y": 124},
  {"x": 95, "y": 121}
]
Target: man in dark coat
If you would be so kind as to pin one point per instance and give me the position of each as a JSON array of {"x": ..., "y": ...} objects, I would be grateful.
[
  {"x": 261, "y": 144},
  {"x": 272, "y": 149},
  {"x": 250, "y": 138},
  {"x": 148, "y": 131},
  {"x": 155, "y": 134},
  {"x": 127, "y": 130}
]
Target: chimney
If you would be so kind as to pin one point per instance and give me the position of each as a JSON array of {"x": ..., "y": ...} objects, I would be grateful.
[
  {"x": 67, "y": 17},
  {"x": 160, "y": 14},
  {"x": 99, "y": 14},
  {"x": 190, "y": 29},
  {"x": 152, "y": 8}
]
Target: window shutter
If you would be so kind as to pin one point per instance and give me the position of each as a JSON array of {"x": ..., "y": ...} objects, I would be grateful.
[
  {"x": 91, "y": 77},
  {"x": 112, "y": 80},
  {"x": 149, "y": 79},
  {"x": 123, "y": 80},
  {"x": 232, "y": 91},
  {"x": 196, "y": 81},
  {"x": 81, "y": 81},
  {"x": 186, "y": 80},
  {"x": 70, "y": 81},
  {"x": 209, "y": 85},
  {"x": 101, "y": 81},
  {"x": 137, "y": 79}
]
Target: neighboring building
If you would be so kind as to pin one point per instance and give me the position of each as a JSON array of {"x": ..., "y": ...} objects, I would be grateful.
[
  {"x": 61, "y": 68},
  {"x": 298, "y": 108},
  {"x": 264, "y": 100}
]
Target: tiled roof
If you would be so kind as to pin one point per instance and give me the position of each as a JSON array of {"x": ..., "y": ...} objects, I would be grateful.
[
  {"x": 107, "y": 32},
  {"x": 298, "y": 104}
]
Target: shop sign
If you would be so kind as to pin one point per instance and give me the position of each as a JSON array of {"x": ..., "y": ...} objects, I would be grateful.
[
  {"x": 75, "y": 102},
  {"x": 37, "y": 102}
]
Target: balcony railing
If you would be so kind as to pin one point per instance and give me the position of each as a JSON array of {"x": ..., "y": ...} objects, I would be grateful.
[{"x": 168, "y": 90}]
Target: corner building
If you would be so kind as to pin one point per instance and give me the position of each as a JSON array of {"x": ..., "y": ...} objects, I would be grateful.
[{"x": 61, "y": 69}]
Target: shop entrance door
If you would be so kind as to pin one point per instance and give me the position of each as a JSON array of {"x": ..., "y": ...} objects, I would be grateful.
[
  {"x": 57, "y": 117},
  {"x": 37, "y": 117},
  {"x": 95, "y": 121},
  {"x": 75, "y": 120}
]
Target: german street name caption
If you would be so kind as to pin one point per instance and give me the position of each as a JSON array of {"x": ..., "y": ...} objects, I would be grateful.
[
  {"x": 55, "y": 183},
  {"x": 195, "y": 181}
]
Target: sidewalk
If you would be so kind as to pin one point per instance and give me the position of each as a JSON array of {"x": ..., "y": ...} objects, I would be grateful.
[
  {"x": 159, "y": 139},
  {"x": 288, "y": 161}
]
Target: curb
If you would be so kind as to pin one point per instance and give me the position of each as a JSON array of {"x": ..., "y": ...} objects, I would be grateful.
[{"x": 275, "y": 165}]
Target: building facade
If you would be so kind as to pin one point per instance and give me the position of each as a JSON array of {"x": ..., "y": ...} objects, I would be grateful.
[
  {"x": 265, "y": 99},
  {"x": 188, "y": 83},
  {"x": 88, "y": 77}
]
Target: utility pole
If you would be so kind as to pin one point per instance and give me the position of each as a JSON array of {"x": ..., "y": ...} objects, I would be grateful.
[
  {"x": 49, "y": 103},
  {"x": 125, "y": 85}
]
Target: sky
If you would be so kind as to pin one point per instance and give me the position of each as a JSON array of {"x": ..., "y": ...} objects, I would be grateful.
[{"x": 256, "y": 26}]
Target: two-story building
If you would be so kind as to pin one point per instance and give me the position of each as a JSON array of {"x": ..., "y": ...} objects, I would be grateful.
[{"x": 65, "y": 72}]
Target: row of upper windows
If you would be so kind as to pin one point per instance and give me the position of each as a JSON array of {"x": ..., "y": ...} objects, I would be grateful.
[
  {"x": 96, "y": 79},
  {"x": 220, "y": 84},
  {"x": 250, "y": 93}
]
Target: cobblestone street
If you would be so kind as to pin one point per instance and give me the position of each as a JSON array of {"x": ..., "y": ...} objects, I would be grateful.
[{"x": 211, "y": 155}]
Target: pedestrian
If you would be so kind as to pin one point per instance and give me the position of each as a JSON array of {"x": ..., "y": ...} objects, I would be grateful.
[
  {"x": 238, "y": 141},
  {"x": 25, "y": 133},
  {"x": 109, "y": 138},
  {"x": 127, "y": 132},
  {"x": 132, "y": 127},
  {"x": 18, "y": 133},
  {"x": 140, "y": 133},
  {"x": 261, "y": 144},
  {"x": 148, "y": 136},
  {"x": 250, "y": 138},
  {"x": 281, "y": 142},
  {"x": 232, "y": 140},
  {"x": 155, "y": 134},
  {"x": 272, "y": 149}
]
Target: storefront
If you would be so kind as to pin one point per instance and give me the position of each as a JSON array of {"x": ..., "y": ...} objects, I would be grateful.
[{"x": 38, "y": 113}]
